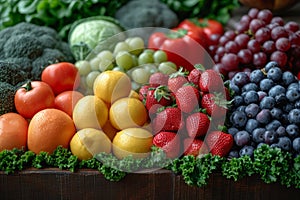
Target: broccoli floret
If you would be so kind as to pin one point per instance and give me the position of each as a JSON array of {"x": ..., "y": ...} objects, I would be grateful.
[
  {"x": 7, "y": 95},
  {"x": 24, "y": 45},
  {"x": 49, "y": 56},
  {"x": 32, "y": 46},
  {"x": 145, "y": 13},
  {"x": 12, "y": 73}
]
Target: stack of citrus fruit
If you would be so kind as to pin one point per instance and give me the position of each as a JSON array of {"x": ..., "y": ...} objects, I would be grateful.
[{"x": 111, "y": 119}]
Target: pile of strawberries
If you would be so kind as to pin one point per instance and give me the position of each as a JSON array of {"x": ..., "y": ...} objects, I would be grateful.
[{"x": 186, "y": 110}]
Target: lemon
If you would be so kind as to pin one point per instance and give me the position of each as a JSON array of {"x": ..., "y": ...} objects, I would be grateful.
[
  {"x": 112, "y": 85},
  {"x": 133, "y": 94},
  {"x": 90, "y": 112},
  {"x": 109, "y": 130},
  {"x": 88, "y": 142},
  {"x": 132, "y": 141},
  {"x": 127, "y": 112}
]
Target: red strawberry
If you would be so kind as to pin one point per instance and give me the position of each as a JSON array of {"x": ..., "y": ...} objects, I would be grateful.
[
  {"x": 210, "y": 81},
  {"x": 194, "y": 75},
  {"x": 177, "y": 80},
  {"x": 169, "y": 142},
  {"x": 219, "y": 143},
  {"x": 159, "y": 78},
  {"x": 187, "y": 98},
  {"x": 197, "y": 124},
  {"x": 170, "y": 119},
  {"x": 144, "y": 90},
  {"x": 215, "y": 105},
  {"x": 194, "y": 147},
  {"x": 157, "y": 98}
]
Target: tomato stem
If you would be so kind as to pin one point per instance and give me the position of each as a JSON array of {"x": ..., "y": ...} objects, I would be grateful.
[
  {"x": 202, "y": 24},
  {"x": 177, "y": 34},
  {"x": 28, "y": 86}
]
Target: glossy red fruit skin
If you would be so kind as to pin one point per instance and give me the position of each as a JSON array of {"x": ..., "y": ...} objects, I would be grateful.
[
  {"x": 177, "y": 82},
  {"x": 170, "y": 119},
  {"x": 187, "y": 98},
  {"x": 219, "y": 143},
  {"x": 197, "y": 124},
  {"x": 212, "y": 109},
  {"x": 153, "y": 102},
  {"x": 210, "y": 81},
  {"x": 169, "y": 142},
  {"x": 194, "y": 147},
  {"x": 194, "y": 76},
  {"x": 159, "y": 78}
]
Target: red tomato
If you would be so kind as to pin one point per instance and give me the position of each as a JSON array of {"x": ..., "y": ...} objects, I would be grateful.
[
  {"x": 33, "y": 97},
  {"x": 67, "y": 100},
  {"x": 61, "y": 77}
]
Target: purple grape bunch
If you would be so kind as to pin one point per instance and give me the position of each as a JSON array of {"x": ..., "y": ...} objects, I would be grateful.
[
  {"x": 265, "y": 110},
  {"x": 259, "y": 37}
]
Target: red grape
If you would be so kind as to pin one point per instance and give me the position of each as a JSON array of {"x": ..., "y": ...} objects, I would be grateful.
[
  {"x": 278, "y": 32},
  {"x": 279, "y": 57},
  {"x": 242, "y": 40},
  {"x": 282, "y": 44},
  {"x": 265, "y": 15},
  {"x": 253, "y": 45},
  {"x": 263, "y": 34},
  {"x": 269, "y": 47},
  {"x": 230, "y": 62},
  {"x": 245, "y": 56}
]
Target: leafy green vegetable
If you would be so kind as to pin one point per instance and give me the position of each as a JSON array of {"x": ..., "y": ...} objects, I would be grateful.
[
  {"x": 58, "y": 14},
  {"x": 271, "y": 164},
  {"x": 213, "y": 9}
]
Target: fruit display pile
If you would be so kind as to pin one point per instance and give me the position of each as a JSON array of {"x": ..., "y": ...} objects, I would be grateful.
[{"x": 194, "y": 99}]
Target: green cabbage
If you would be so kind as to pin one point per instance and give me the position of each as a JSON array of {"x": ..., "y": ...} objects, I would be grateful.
[{"x": 85, "y": 34}]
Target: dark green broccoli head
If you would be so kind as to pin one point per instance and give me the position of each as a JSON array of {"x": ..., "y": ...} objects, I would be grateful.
[
  {"x": 7, "y": 95},
  {"x": 12, "y": 73}
]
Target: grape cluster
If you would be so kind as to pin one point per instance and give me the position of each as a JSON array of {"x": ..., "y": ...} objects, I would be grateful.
[
  {"x": 265, "y": 110},
  {"x": 259, "y": 37},
  {"x": 129, "y": 56}
]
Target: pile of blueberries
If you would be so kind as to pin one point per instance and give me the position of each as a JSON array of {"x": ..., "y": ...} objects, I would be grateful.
[{"x": 265, "y": 110}]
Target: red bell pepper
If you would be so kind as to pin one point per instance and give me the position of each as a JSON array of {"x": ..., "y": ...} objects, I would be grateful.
[
  {"x": 208, "y": 26},
  {"x": 183, "y": 47}
]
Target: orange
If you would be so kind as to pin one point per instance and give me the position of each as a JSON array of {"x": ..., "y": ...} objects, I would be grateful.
[
  {"x": 67, "y": 100},
  {"x": 112, "y": 85},
  {"x": 90, "y": 112},
  {"x": 127, "y": 112},
  {"x": 88, "y": 142},
  {"x": 13, "y": 131},
  {"x": 136, "y": 142},
  {"x": 48, "y": 129}
]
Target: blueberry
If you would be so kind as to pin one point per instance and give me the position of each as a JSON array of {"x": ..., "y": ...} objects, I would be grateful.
[
  {"x": 250, "y": 86},
  {"x": 247, "y": 151},
  {"x": 238, "y": 119},
  {"x": 256, "y": 76},
  {"x": 273, "y": 125},
  {"x": 292, "y": 95},
  {"x": 258, "y": 135},
  {"x": 274, "y": 74},
  {"x": 234, "y": 88},
  {"x": 251, "y": 97},
  {"x": 260, "y": 145},
  {"x": 242, "y": 138},
  {"x": 270, "y": 65},
  {"x": 284, "y": 119},
  {"x": 251, "y": 110},
  {"x": 276, "y": 90},
  {"x": 266, "y": 84},
  {"x": 251, "y": 125},
  {"x": 288, "y": 78},
  {"x": 287, "y": 107},
  {"x": 240, "y": 79},
  {"x": 267, "y": 103},
  {"x": 261, "y": 94},
  {"x": 232, "y": 131},
  {"x": 284, "y": 143},
  {"x": 293, "y": 86},
  {"x": 264, "y": 116},
  {"x": 297, "y": 104},
  {"x": 241, "y": 108},
  {"x": 281, "y": 131},
  {"x": 276, "y": 113},
  {"x": 270, "y": 137},
  {"x": 292, "y": 130},
  {"x": 238, "y": 101},
  {"x": 281, "y": 99},
  {"x": 233, "y": 154},
  {"x": 296, "y": 144},
  {"x": 294, "y": 116}
]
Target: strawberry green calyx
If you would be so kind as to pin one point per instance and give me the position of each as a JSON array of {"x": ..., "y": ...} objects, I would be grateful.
[
  {"x": 220, "y": 100},
  {"x": 180, "y": 72},
  {"x": 200, "y": 67},
  {"x": 162, "y": 92}
]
